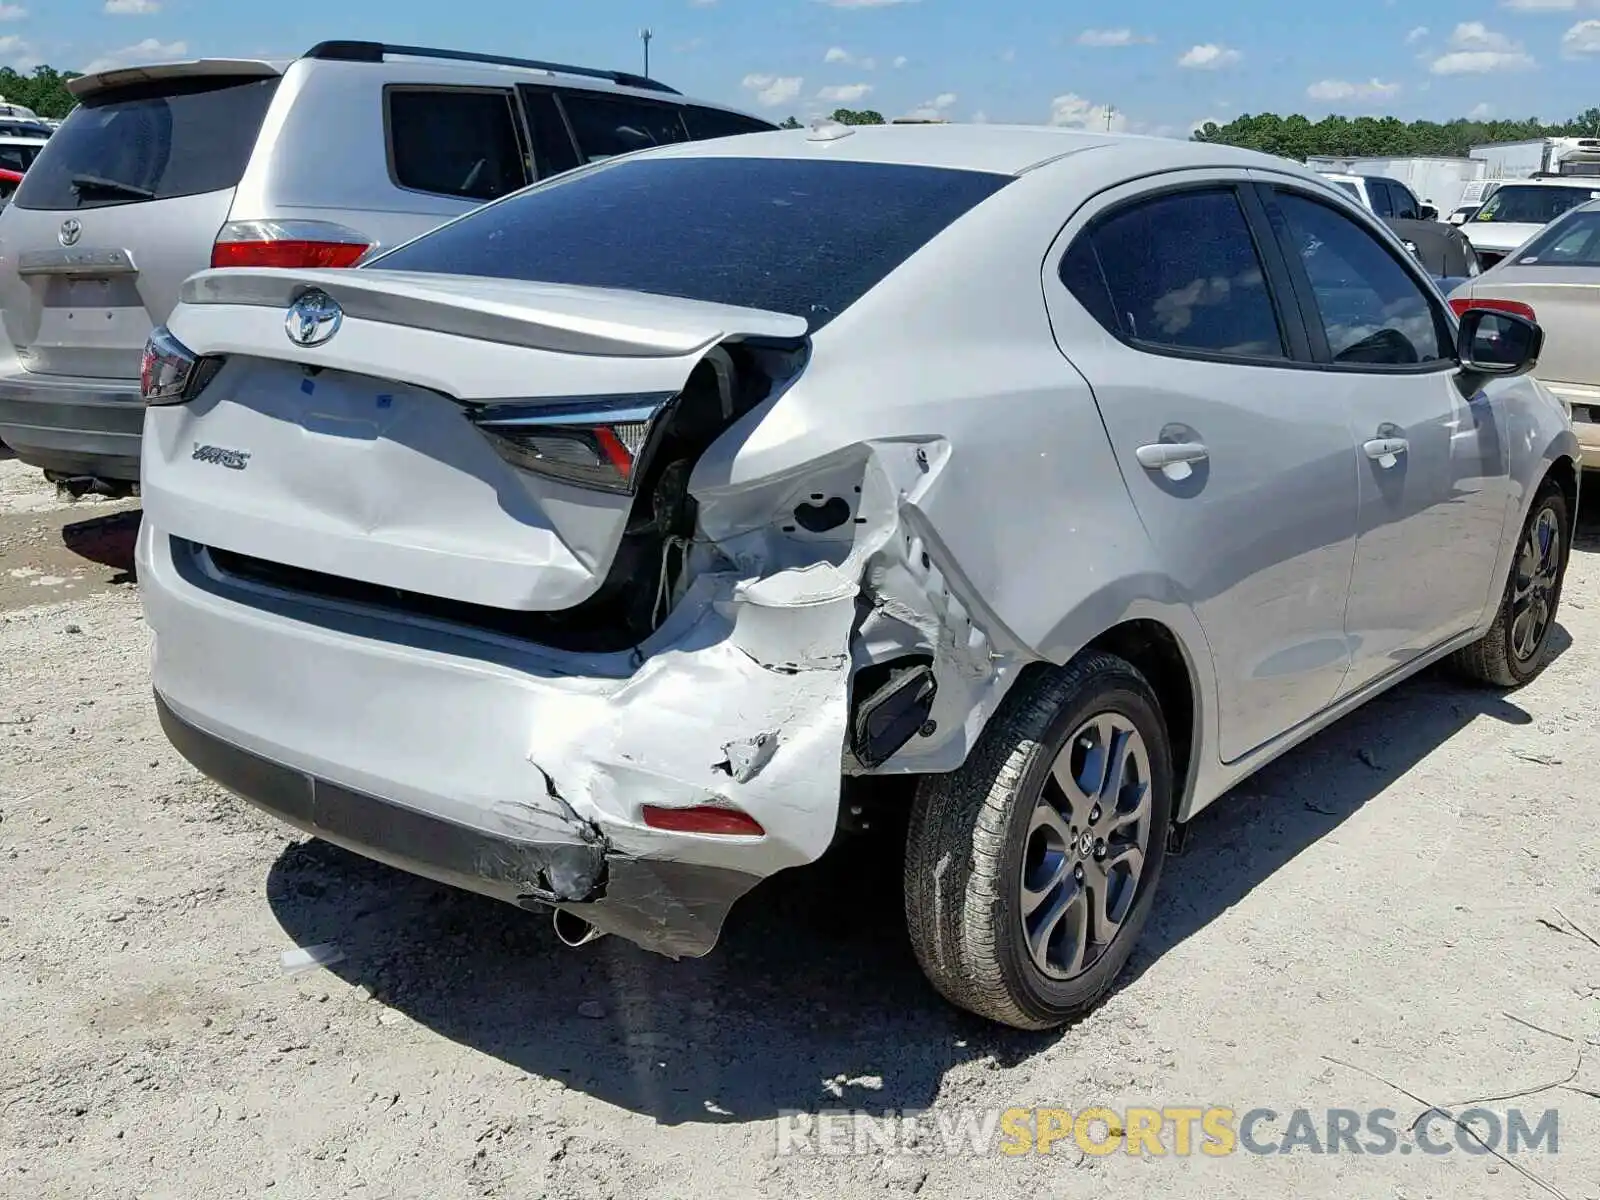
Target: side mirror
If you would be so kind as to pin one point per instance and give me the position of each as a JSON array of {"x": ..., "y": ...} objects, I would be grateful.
[
  {"x": 1428, "y": 213},
  {"x": 1499, "y": 344}
]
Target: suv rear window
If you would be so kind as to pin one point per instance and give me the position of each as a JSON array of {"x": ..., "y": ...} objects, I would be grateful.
[
  {"x": 715, "y": 122},
  {"x": 152, "y": 141},
  {"x": 606, "y": 126},
  {"x": 803, "y": 237}
]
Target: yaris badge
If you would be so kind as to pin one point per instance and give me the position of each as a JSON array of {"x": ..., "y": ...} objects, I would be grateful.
[{"x": 313, "y": 319}]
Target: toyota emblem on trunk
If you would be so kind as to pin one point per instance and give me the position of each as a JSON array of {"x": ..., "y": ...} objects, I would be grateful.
[
  {"x": 313, "y": 319},
  {"x": 71, "y": 231}
]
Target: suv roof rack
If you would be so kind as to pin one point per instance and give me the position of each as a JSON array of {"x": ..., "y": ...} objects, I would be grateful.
[{"x": 376, "y": 52}]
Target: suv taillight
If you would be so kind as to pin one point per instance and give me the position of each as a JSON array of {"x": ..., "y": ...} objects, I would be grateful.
[{"x": 288, "y": 244}]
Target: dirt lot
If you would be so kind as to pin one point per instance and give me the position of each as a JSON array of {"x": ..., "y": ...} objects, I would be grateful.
[{"x": 1406, "y": 894}]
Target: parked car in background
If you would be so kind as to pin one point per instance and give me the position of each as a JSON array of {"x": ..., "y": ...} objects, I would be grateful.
[
  {"x": 1442, "y": 249},
  {"x": 18, "y": 152},
  {"x": 8, "y": 183},
  {"x": 1518, "y": 210},
  {"x": 167, "y": 169},
  {"x": 584, "y": 550},
  {"x": 1555, "y": 278}
]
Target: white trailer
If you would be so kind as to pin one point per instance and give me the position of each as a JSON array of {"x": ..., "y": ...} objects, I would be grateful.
[{"x": 1539, "y": 156}]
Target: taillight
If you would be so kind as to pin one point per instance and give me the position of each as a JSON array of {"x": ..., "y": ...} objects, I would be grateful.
[
  {"x": 599, "y": 443},
  {"x": 1515, "y": 307},
  {"x": 722, "y": 822},
  {"x": 288, "y": 244},
  {"x": 170, "y": 373}
]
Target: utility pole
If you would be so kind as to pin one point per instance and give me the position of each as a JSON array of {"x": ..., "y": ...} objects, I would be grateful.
[
  {"x": 1110, "y": 112},
  {"x": 645, "y": 35}
]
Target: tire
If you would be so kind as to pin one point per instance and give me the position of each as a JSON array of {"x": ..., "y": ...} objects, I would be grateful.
[
  {"x": 1503, "y": 657},
  {"x": 975, "y": 839}
]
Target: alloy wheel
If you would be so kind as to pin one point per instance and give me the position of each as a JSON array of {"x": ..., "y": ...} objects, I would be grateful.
[{"x": 1534, "y": 589}]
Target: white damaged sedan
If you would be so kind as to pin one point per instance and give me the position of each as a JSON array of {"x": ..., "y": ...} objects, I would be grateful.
[{"x": 585, "y": 551}]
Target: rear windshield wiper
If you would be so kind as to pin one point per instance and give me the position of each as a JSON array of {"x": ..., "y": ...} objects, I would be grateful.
[{"x": 96, "y": 183}]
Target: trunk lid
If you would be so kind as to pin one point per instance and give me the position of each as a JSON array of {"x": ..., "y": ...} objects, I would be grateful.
[
  {"x": 358, "y": 459},
  {"x": 124, "y": 203}
]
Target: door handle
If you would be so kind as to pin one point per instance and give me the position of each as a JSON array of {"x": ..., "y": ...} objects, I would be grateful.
[
  {"x": 1386, "y": 451},
  {"x": 1161, "y": 455}
]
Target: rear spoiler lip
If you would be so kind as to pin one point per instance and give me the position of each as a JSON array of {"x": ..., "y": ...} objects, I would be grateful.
[
  {"x": 83, "y": 87},
  {"x": 560, "y": 318}
]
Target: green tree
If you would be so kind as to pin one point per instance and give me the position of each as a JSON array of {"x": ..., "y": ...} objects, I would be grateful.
[
  {"x": 852, "y": 116},
  {"x": 1298, "y": 137},
  {"x": 44, "y": 91},
  {"x": 789, "y": 123}
]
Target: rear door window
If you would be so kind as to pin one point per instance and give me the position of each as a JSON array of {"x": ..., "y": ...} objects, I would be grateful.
[
  {"x": 707, "y": 123},
  {"x": 606, "y": 126},
  {"x": 460, "y": 142},
  {"x": 1178, "y": 272},
  {"x": 151, "y": 141},
  {"x": 1382, "y": 199},
  {"x": 553, "y": 151}
]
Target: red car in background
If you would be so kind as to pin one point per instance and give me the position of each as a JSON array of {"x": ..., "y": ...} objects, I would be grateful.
[{"x": 8, "y": 183}]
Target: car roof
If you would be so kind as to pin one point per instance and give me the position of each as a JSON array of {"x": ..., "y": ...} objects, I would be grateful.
[
  {"x": 997, "y": 149},
  {"x": 1566, "y": 181}
]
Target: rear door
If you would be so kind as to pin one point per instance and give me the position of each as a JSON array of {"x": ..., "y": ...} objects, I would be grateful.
[
  {"x": 120, "y": 207},
  {"x": 1242, "y": 472}
]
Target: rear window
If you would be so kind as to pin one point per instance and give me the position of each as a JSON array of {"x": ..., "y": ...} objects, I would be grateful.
[
  {"x": 715, "y": 122},
  {"x": 1574, "y": 241},
  {"x": 18, "y": 156},
  {"x": 793, "y": 236},
  {"x": 456, "y": 142},
  {"x": 177, "y": 137}
]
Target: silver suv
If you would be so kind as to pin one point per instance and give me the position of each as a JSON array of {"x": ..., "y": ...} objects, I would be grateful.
[{"x": 166, "y": 170}]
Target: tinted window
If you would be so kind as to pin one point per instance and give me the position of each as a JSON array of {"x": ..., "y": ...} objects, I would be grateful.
[
  {"x": 1347, "y": 186},
  {"x": 1533, "y": 205},
  {"x": 792, "y": 236},
  {"x": 714, "y": 123},
  {"x": 150, "y": 142},
  {"x": 27, "y": 129},
  {"x": 553, "y": 151},
  {"x": 1182, "y": 271},
  {"x": 606, "y": 126},
  {"x": 1573, "y": 242},
  {"x": 1382, "y": 202},
  {"x": 1405, "y": 204},
  {"x": 18, "y": 156},
  {"x": 1373, "y": 310},
  {"x": 455, "y": 143}
]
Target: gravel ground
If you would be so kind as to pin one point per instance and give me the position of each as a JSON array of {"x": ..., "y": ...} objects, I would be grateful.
[{"x": 1405, "y": 894}]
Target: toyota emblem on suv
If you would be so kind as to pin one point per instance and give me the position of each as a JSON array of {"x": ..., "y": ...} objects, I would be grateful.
[
  {"x": 71, "y": 231},
  {"x": 313, "y": 319}
]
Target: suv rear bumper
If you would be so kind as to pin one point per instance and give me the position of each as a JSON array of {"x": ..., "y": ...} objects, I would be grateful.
[
  {"x": 73, "y": 426},
  {"x": 496, "y": 765}
]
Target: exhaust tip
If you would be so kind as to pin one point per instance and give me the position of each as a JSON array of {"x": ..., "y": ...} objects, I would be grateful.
[{"x": 574, "y": 931}]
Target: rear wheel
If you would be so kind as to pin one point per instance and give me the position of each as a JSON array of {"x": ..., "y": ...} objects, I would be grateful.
[
  {"x": 1030, "y": 871},
  {"x": 1517, "y": 647}
]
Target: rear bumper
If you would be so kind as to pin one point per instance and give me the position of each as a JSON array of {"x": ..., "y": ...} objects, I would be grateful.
[
  {"x": 498, "y": 766},
  {"x": 1583, "y": 403},
  {"x": 74, "y": 426}
]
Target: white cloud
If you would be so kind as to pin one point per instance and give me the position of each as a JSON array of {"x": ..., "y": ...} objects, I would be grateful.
[
  {"x": 935, "y": 109},
  {"x": 132, "y": 8},
  {"x": 1476, "y": 49},
  {"x": 1209, "y": 57},
  {"x": 1540, "y": 5},
  {"x": 845, "y": 93},
  {"x": 1339, "y": 89},
  {"x": 12, "y": 12},
  {"x": 838, "y": 54},
  {"x": 1416, "y": 35},
  {"x": 1582, "y": 38},
  {"x": 1072, "y": 111},
  {"x": 900, "y": 60},
  {"x": 773, "y": 90},
  {"x": 1480, "y": 112},
  {"x": 18, "y": 54},
  {"x": 702, "y": 3},
  {"x": 1111, "y": 37},
  {"x": 147, "y": 51}
]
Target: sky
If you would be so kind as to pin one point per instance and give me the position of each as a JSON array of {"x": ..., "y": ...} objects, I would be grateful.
[{"x": 1151, "y": 66}]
